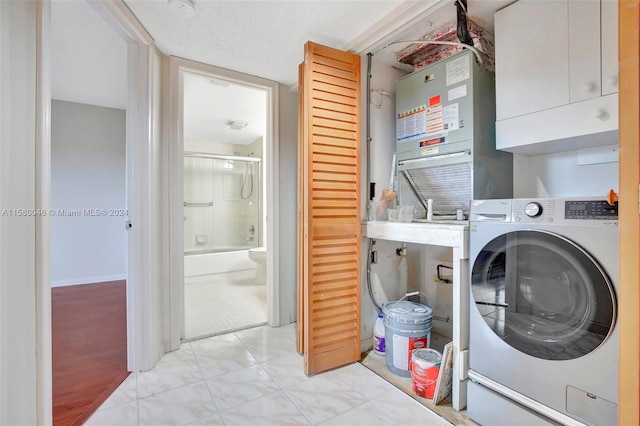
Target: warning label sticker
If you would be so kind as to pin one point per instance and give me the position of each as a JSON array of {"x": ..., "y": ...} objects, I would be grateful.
[
  {"x": 451, "y": 117},
  {"x": 458, "y": 70},
  {"x": 434, "y": 116},
  {"x": 412, "y": 123}
]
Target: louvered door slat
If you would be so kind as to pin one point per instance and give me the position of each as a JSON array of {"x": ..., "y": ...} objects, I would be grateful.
[
  {"x": 335, "y": 176},
  {"x": 330, "y": 159},
  {"x": 321, "y": 69},
  {"x": 330, "y": 208},
  {"x": 334, "y": 132},
  {"x": 335, "y": 115},
  {"x": 333, "y": 141},
  {"x": 332, "y": 106},
  {"x": 331, "y": 123},
  {"x": 334, "y": 203},
  {"x": 336, "y": 98},
  {"x": 334, "y": 80},
  {"x": 335, "y": 151},
  {"x": 334, "y": 89}
]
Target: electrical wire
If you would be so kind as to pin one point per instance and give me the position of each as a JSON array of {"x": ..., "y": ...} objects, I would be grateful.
[{"x": 373, "y": 299}]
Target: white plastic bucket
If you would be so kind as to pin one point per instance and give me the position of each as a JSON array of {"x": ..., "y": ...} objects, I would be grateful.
[{"x": 407, "y": 327}]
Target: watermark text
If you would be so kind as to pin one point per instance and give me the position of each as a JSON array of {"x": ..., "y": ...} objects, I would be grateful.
[{"x": 64, "y": 212}]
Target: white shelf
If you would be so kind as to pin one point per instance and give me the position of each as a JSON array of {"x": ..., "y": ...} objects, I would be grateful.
[{"x": 450, "y": 233}]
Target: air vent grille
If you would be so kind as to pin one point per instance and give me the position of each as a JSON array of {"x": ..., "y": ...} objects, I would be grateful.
[{"x": 448, "y": 185}]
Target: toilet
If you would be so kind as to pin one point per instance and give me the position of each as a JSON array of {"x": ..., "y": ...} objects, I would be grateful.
[{"x": 259, "y": 255}]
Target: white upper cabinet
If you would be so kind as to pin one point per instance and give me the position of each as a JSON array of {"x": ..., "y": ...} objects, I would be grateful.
[
  {"x": 532, "y": 64},
  {"x": 556, "y": 75},
  {"x": 609, "y": 37},
  {"x": 584, "y": 49}
]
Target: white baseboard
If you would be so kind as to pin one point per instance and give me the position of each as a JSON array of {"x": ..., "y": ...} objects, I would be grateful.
[{"x": 88, "y": 280}]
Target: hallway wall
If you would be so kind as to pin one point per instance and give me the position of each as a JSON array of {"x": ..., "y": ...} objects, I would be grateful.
[
  {"x": 88, "y": 172},
  {"x": 21, "y": 348}
]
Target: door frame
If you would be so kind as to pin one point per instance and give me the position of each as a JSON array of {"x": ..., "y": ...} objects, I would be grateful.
[
  {"x": 144, "y": 338},
  {"x": 144, "y": 343},
  {"x": 175, "y": 68}
]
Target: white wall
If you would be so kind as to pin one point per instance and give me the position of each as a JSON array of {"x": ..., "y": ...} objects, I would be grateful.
[
  {"x": 88, "y": 171},
  {"x": 19, "y": 343},
  {"x": 561, "y": 175},
  {"x": 287, "y": 222},
  {"x": 390, "y": 276}
]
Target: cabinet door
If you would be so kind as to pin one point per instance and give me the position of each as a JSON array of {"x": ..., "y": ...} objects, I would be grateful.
[
  {"x": 330, "y": 208},
  {"x": 532, "y": 62},
  {"x": 609, "y": 20},
  {"x": 584, "y": 50}
]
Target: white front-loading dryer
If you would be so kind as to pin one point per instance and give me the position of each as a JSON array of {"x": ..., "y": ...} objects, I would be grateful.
[{"x": 543, "y": 334}]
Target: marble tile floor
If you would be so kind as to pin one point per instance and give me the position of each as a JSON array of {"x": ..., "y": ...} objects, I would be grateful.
[{"x": 255, "y": 377}]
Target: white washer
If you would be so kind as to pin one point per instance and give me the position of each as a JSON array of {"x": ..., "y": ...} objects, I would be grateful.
[{"x": 543, "y": 336}]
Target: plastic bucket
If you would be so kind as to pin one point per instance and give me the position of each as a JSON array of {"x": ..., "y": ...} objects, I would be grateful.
[
  {"x": 425, "y": 367},
  {"x": 407, "y": 327}
]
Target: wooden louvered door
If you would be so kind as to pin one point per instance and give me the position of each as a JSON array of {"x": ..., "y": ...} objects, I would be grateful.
[{"x": 330, "y": 208}]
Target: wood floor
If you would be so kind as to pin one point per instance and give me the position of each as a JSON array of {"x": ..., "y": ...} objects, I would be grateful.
[{"x": 89, "y": 348}]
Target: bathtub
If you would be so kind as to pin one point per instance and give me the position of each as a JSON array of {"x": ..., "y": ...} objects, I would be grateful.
[{"x": 216, "y": 262}]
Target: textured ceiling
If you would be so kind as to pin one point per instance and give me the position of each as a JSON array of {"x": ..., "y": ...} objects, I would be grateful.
[
  {"x": 210, "y": 103},
  {"x": 262, "y": 38},
  {"x": 89, "y": 59}
]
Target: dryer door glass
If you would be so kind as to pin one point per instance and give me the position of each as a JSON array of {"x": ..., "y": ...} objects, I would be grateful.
[{"x": 543, "y": 295}]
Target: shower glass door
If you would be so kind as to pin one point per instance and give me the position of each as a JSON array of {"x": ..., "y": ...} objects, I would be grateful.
[{"x": 221, "y": 203}]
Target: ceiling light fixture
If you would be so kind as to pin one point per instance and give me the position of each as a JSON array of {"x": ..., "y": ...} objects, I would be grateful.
[
  {"x": 186, "y": 8},
  {"x": 237, "y": 124}
]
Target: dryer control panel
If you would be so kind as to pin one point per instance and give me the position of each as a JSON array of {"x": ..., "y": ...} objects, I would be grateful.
[{"x": 590, "y": 210}]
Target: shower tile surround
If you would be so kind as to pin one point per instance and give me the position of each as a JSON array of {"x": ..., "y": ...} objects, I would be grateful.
[
  {"x": 233, "y": 219},
  {"x": 224, "y": 229},
  {"x": 255, "y": 377}
]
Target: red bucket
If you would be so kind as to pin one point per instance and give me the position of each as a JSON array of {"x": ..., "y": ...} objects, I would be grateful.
[{"x": 425, "y": 367}]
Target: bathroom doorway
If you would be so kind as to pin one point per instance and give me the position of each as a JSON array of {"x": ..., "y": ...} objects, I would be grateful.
[{"x": 224, "y": 198}]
